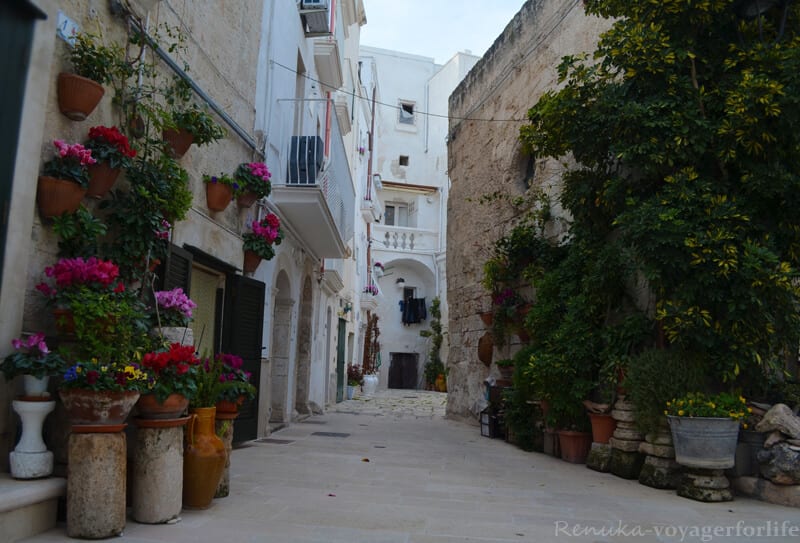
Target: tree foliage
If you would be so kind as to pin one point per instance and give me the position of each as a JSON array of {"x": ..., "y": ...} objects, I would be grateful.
[{"x": 682, "y": 126}]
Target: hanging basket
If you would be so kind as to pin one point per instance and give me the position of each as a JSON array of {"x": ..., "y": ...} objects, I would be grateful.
[
  {"x": 178, "y": 141},
  {"x": 101, "y": 178},
  {"x": 58, "y": 196},
  {"x": 246, "y": 200},
  {"x": 78, "y": 96},
  {"x": 251, "y": 261},
  {"x": 218, "y": 196}
]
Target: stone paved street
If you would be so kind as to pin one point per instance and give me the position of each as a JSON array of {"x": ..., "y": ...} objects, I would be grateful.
[{"x": 391, "y": 469}]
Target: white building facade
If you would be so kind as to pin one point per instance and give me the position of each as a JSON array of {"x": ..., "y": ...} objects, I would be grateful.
[{"x": 406, "y": 220}]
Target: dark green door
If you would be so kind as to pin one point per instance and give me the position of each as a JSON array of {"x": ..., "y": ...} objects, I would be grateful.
[
  {"x": 340, "y": 375},
  {"x": 243, "y": 326}
]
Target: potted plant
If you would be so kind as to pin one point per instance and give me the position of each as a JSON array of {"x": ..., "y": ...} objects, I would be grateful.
[
  {"x": 219, "y": 191},
  {"x": 65, "y": 179},
  {"x": 112, "y": 151},
  {"x": 35, "y": 362},
  {"x": 506, "y": 368},
  {"x": 253, "y": 180},
  {"x": 173, "y": 376},
  {"x": 101, "y": 393},
  {"x": 354, "y": 378},
  {"x": 371, "y": 289},
  {"x": 238, "y": 389},
  {"x": 182, "y": 127},
  {"x": 379, "y": 269},
  {"x": 705, "y": 428},
  {"x": 172, "y": 312},
  {"x": 93, "y": 64},
  {"x": 258, "y": 244}
]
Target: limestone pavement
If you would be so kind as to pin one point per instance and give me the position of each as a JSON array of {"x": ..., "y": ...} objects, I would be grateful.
[{"x": 392, "y": 469}]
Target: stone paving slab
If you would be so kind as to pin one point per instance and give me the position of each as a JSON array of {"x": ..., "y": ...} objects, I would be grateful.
[{"x": 432, "y": 480}]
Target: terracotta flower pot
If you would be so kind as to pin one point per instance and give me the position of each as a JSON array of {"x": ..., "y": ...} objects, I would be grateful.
[
  {"x": 172, "y": 407},
  {"x": 487, "y": 317},
  {"x": 251, "y": 261},
  {"x": 78, "y": 96},
  {"x": 486, "y": 348},
  {"x": 178, "y": 141},
  {"x": 203, "y": 459},
  {"x": 247, "y": 199},
  {"x": 603, "y": 426},
  {"x": 218, "y": 196},
  {"x": 97, "y": 407},
  {"x": 65, "y": 321},
  {"x": 574, "y": 446},
  {"x": 101, "y": 178},
  {"x": 58, "y": 196},
  {"x": 229, "y": 407}
]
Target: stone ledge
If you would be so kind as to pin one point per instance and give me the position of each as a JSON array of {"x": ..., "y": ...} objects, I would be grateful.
[
  {"x": 16, "y": 494},
  {"x": 764, "y": 490}
]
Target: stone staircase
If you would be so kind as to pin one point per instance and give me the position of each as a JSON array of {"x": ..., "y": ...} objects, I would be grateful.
[{"x": 28, "y": 507}]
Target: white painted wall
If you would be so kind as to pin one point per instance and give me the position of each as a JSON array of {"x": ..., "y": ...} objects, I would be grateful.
[{"x": 400, "y": 77}]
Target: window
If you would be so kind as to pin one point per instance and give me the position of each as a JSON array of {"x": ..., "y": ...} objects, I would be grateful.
[
  {"x": 396, "y": 215},
  {"x": 406, "y": 113},
  {"x": 403, "y": 160}
]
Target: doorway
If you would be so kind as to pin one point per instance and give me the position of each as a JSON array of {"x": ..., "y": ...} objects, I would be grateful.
[{"x": 403, "y": 370}]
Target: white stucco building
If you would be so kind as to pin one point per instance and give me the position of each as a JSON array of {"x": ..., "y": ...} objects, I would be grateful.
[{"x": 406, "y": 219}]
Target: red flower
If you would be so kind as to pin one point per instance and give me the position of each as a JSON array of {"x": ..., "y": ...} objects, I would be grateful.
[{"x": 92, "y": 376}]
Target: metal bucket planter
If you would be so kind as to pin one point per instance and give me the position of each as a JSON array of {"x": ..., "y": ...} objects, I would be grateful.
[{"x": 704, "y": 442}]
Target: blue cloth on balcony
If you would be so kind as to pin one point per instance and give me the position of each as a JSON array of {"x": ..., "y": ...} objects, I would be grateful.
[{"x": 414, "y": 310}]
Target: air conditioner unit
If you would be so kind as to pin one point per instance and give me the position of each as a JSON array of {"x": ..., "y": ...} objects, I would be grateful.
[
  {"x": 305, "y": 160},
  {"x": 315, "y": 14}
]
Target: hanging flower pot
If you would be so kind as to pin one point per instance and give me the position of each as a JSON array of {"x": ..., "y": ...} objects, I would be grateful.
[
  {"x": 178, "y": 141},
  {"x": 65, "y": 321},
  {"x": 58, "y": 196},
  {"x": 218, "y": 196},
  {"x": 78, "y": 96},
  {"x": 486, "y": 348},
  {"x": 101, "y": 178},
  {"x": 246, "y": 199},
  {"x": 251, "y": 261}
]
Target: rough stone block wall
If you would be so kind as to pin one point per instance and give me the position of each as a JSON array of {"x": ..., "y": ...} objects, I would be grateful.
[{"x": 484, "y": 156}]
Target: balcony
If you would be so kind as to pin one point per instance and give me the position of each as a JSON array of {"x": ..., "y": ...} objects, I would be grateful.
[
  {"x": 314, "y": 193},
  {"x": 399, "y": 238}
]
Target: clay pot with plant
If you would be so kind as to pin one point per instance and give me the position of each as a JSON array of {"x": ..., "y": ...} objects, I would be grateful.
[
  {"x": 94, "y": 65},
  {"x": 183, "y": 127},
  {"x": 64, "y": 180}
]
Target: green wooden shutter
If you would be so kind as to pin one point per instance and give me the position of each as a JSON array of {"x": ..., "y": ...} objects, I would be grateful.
[
  {"x": 242, "y": 331},
  {"x": 177, "y": 270}
]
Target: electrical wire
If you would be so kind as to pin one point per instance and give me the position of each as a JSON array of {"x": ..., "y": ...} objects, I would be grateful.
[{"x": 396, "y": 107}]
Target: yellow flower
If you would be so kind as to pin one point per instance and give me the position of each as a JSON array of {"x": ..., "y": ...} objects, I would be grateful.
[
  {"x": 741, "y": 399},
  {"x": 669, "y": 403},
  {"x": 744, "y": 425},
  {"x": 680, "y": 412},
  {"x": 666, "y": 412},
  {"x": 749, "y": 409},
  {"x": 712, "y": 405}
]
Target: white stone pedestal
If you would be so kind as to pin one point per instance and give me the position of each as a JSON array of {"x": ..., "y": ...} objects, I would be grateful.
[{"x": 30, "y": 458}]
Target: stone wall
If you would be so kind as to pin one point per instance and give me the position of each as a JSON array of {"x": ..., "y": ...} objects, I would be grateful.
[
  {"x": 484, "y": 156},
  {"x": 222, "y": 50}
]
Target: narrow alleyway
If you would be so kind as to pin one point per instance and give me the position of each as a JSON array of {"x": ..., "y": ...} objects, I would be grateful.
[{"x": 391, "y": 469}]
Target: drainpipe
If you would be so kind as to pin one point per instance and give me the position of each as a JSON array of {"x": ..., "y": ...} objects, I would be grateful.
[{"x": 369, "y": 183}]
